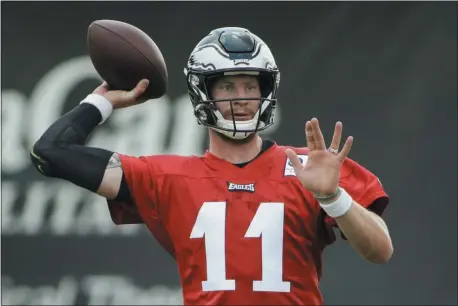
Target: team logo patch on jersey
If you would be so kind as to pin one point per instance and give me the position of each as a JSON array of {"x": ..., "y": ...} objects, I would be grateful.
[
  {"x": 289, "y": 170},
  {"x": 240, "y": 187}
]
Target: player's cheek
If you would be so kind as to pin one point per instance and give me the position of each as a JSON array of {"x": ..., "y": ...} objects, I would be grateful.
[
  {"x": 224, "y": 107},
  {"x": 254, "y": 105}
]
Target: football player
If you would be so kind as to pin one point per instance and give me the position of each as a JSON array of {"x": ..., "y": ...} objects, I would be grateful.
[{"x": 246, "y": 222}]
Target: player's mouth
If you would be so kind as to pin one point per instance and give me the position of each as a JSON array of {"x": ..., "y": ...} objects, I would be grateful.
[{"x": 242, "y": 116}]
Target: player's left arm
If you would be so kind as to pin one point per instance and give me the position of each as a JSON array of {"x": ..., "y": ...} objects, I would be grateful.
[
  {"x": 345, "y": 190},
  {"x": 367, "y": 233},
  {"x": 361, "y": 224}
]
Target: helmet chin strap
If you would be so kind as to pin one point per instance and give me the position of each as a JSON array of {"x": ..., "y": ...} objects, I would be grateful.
[
  {"x": 242, "y": 129},
  {"x": 232, "y": 135}
]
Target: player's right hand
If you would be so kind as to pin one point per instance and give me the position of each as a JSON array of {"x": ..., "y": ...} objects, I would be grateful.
[{"x": 121, "y": 98}]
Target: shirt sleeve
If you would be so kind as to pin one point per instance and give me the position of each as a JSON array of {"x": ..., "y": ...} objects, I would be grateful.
[
  {"x": 142, "y": 177},
  {"x": 140, "y": 183}
]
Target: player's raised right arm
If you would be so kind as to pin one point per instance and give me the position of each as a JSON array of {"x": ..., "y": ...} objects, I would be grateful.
[{"x": 61, "y": 152}]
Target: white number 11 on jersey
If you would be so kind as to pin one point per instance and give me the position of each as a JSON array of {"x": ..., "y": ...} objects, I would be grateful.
[{"x": 268, "y": 221}]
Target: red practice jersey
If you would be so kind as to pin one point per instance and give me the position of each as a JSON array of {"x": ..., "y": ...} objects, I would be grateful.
[{"x": 250, "y": 235}]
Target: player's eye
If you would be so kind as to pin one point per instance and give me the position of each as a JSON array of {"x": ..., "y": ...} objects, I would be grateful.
[
  {"x": 251, "y": 87},
  {"x": 228, "y": 87}
]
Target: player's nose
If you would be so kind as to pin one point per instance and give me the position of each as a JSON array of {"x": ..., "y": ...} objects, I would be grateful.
[
  {"x": 240, "y": 101},
  {"x": 240, "y": 95}
]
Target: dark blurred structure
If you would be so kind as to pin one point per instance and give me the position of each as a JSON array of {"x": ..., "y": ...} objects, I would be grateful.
[{"x": 387, "y": 70}]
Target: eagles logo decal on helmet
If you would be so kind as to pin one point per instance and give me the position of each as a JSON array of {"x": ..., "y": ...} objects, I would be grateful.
[{"x": 232, "y": 51}]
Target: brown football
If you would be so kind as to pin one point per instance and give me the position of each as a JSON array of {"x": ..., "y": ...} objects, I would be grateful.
[{"x": 123, "y": 54}]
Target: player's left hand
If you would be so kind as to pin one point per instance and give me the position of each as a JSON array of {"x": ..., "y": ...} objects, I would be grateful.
[{"x": 320, "y": 174}]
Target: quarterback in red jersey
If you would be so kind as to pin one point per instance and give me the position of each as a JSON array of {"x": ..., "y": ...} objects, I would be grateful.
[{"x": 246, "y": 222}]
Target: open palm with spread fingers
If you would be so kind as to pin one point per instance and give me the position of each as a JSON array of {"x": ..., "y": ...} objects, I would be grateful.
[{"x": 320, "y": 174}]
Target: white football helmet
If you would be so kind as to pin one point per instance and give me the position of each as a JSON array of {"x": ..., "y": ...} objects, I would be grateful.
[{"x": 232, "y": 51}]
